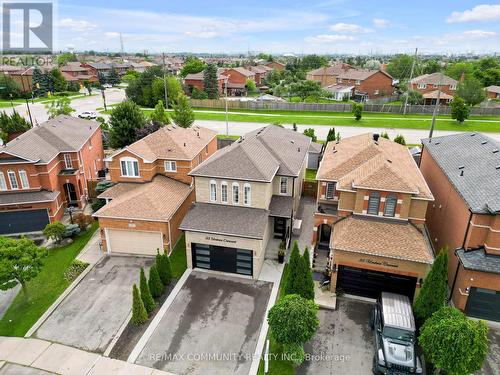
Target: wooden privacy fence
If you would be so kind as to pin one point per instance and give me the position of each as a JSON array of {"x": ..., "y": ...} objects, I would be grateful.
[
  {"x": 309, "y": 189},
  {"x": 333, "y": 107},
  {"x": 91, "y": 185}
]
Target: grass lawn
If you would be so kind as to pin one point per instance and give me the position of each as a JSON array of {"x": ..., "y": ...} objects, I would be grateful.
[
  {"x": 178, "y": 260},
  {"x": 7, "y": 104},
  {"x": 311, "y": 174},
  {"x": 222, "y": 136},
  {"x": 44, "y": 289}
]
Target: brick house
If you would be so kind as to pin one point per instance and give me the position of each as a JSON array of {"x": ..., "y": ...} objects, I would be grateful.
[
  {"x": 47, "y": 169},
  {"x": 463, "y": 172},
  {"x": 74, "y": 72},
  {"x": 197, "y": 80},
  {"x": 275, "y": 65},
  {"x": 327, "y": 75},
  {"x": 428, "y": 85},
  {"x": 369, "y": 226},
  {"x": 153, "y": 190},
  {"x": 493, "y": 92},
  {"x": 261, "y": 72},
  {"x": 371, "y": 84},
  {"x": 97, "y": 67},
  {"x": 237, "y": 80}
]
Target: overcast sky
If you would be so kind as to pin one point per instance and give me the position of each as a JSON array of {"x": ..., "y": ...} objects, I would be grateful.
[{"x": 279, "y": 26}]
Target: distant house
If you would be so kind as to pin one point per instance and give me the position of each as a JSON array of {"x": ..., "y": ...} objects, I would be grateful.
[
  {"x": 327, "y": 75},
  {"x": 74, "y": 72},
  {"x": 237, "y": 80},
  {"x": 260, "y": 71},
  {"x": 122, "y": 68},
  {"x": 368, "y": 84},
  {"x": 493, "y": 92},
  {"x": 197, "y": 80},
  {"x": 275, "y": 65},
  {"x": 430, "y": 84},
  {"x": 97, "y": 67}
]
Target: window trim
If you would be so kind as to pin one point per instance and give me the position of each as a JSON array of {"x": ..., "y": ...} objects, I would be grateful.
[
  {"x": 170, "y": 163},
  {"x": 281, "y": 185},
  {"x": 395, "y": 199},
  {"x": 22, "y": 173},
  {"x": 327, "y": 196},
  {"x": 237, "y": 186},
  {"x": 3, "y": 182},
  {"x": 67, "y": 158},
  {"x": 374, "y": 194},
  {"x": 125, "y": 160},
  {"x": 222, "y": 185},
  {"x": 247, "y": 198},
  {"x": 9, "y": 174},
  {"x": 213, "y": 184}
]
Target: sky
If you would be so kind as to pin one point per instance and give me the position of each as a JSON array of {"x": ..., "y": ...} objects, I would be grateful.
[{"x": 279, "y": 26}]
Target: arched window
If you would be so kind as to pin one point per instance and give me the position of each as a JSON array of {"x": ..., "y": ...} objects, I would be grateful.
[
  {"x": 223, "y": 192},
  {"x": 3, "y": 183},
  {"x": 129, "y": 167},
  {"x": 236, "y": 193},
  {"x": 374, "y": 203},
  {"x": 247, "y": 199},
  {"x": 390, "y": 205},
  {"x": 13, "y": 180},
  {"x": 24, "y": 179},
  {"x": 213, "y": 191}
]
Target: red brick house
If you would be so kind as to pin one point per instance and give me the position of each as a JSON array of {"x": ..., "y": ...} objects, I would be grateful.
[
  {"x": 260, "y": 71},
  {"x": 371, "y": 84},
  {"x": 153, "y": 191},
  {"x": 493, "y": 92},
  {"x": 463, "y": 172},
  {"x": 429, "y": 85},
  {"x": 46, "y": 169},
  {"x": 275, "y": 65},
  {"x": 74, "y": 72},
  {"x": 197, "y": 80}
]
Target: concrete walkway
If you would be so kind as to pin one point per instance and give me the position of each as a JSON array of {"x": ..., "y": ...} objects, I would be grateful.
[
  {"x": 92, "y": 252},
  {"x": 34, "y": 356}
]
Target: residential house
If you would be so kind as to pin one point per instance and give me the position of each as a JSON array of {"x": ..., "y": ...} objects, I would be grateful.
[
  {"x": 327, "y": 75},
  {"x": 97, "y": 67},
  {"x": 197, "y": 80},
  {"x": 153, "y": 190},
  {"x": 46, "y": 169},
  {"x": 237, "y": 80},
  {"x": 275, "y": 65},
  {"x": 261, "y": 72},
  {"x": 341, "y": 92},
  {"x": 74, "y": 72},
  {"x": 247, "y": 196},
  {"x": 430, "y": 84},
  {"x": 122, "y": 68},
  {"x": 369, "y": 226},
  {"x": 368, "y": 84},
  {"x": 493, "y": 92},
  {"x": 463, "y": 172}
]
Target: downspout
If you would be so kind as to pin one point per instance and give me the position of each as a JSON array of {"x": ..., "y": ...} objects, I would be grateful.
[
  {"x": 458, "y": 260},
  {"x": 169, "y": 239}
]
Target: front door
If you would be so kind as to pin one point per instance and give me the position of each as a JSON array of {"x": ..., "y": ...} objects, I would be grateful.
[
  {"x": 325, "y": 232},
  {"x": 279, "y": 227},
  {"x": 70, "y": 193}
]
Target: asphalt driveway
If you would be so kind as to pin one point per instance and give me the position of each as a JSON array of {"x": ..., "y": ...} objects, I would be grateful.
[
  {"x": 491, "y": 365},
  {"x": 90, "y": 316},
  {"x": 343, "y": 343},
  {"x": 211, "y": 327}
]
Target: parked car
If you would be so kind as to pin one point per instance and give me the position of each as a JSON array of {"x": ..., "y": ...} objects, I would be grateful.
[
  {"x": 88, "y": 115},
  {"x": 394, "y": 326}
]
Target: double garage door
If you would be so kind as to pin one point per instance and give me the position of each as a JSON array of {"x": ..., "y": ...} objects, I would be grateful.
[
  {"x": 133, "y": 242},
  {"x": 23, "y": 221},
  {"x": 225, "y": 259},
  {"x": 483, "y": 304},
  {"x": 367, "y": 283}
]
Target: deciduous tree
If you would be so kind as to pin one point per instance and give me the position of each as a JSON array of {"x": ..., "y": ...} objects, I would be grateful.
[
  {"x": 54, "y": 231},
  {"x": 311, "y": 134},
  {"x": 459, "y": 110},
  {"x": 357, "y": 111},
  {"x": 471, "y": 91},
  {"x": 400, "y": 139},
  {"x": 60, "y": 106},
  {"x": 192, "y": 65}
]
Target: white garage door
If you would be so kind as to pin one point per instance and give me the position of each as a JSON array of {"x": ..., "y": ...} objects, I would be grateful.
[{"x": 134, "y": 242}]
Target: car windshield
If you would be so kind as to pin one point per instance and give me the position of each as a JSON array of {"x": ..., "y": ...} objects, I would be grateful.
[{"x": 398, "y": 334}]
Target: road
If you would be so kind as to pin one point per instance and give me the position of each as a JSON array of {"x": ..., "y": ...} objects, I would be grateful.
[{"x": 115, "y": 95}]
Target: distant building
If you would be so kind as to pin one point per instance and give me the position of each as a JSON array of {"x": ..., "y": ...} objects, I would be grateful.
[
  {"x": 493, "y": 92},
  {"x": 430, "y": 84}
]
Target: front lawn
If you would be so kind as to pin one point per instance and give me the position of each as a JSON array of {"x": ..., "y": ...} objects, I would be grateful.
[
  {"x": 44, "y": 289},
  {"x": 178, "y": 260}
]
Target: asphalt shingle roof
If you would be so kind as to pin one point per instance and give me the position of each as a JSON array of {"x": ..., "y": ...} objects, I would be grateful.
[
  {"x": 478, "y": 260},
  {"x": 28, "y": 197},
  {"x": 281, "y": 206},
  {"x": 471, "y": 161}
]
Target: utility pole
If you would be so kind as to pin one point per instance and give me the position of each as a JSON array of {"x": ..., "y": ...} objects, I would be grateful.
[
  {"x": 165, "y": 80},
  {"x": 409, "y": 82},
  {"x": 104, "y": 98},
  {"x": 227, "y": 120},
  {"x": 436, "y": 108},
  {"x": 121, "y": 44}
]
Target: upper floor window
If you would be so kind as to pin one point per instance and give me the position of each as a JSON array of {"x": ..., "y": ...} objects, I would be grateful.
[
  {"x": 453, "y": 87},
  {"x": 373, "y": 203},
  {"x": 170, "y": 166},
  {"x": 13, "y": 180},
  {"x": 283, "y": 185},
  {"x": 330, "y": 190},
  {"x": 422, "y": 86},
  {"x": 206, "y": 149},
  {"x": 213, "y": 191},
  {"x": 390, "y": 205},
  {"x": 223, "y": 192},
  {"x": 68, "y": 162},
  {"x": 247, "y": 199},
  {"x": 129, "y": 167},
  {"x": 236, "y": 193},
  {"x": 24, "y": 179},
  {"x": 3, "y": 183},
  {"x": 358, "y": 82}
]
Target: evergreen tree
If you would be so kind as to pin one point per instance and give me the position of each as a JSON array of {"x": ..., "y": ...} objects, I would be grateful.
[
  {"x": 357, "y": 110},
  {"x": 139, "y": 313},
  {"x": 183, "y": 115},
  {"x": 146, "y": 297},
  {"x": 60, "y": 83},
  {"x": 125, "y": 119},
  {"x": 164, "y": 268},
  {"x": 159, "y": 115},
  {"x": 432, "y": 295},
  {"x": 155, "y": 284},
  {"x": 307, "y": 257},
  {"x": 459, "y": 110},
  {"x": 331, "y": 135},
  {"x": 39, "y": 83},
  {"x": 400, "y": 139},
  {"x": 102, "y": 78},
  {"x": 306, "y": 283},
  {"x": 113, "y": 77},
  {"x": 210, "y": 82},
  {"x": 292, "y": 282}
]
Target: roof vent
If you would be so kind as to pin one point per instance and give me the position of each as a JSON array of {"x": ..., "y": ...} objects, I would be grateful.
[
  {"x": 473, "y": 134},
  {"x": 334, "y": 151},
  {"x": 461, "y": 167},
  {"x": 298, "y": 149},
  {"x": 484, "y": 142},
  {"x": 389, "y": 160},
  {"x": 437, "y": 143},
  {"x": 376, "y": 136},
  {"x": 292, "y": 142},
  {"x": 461, "y": 173},
  {"x": 497, "y": 167},
  {"x": 495, "y": 151},
  {"x": 184, "y": 144}
]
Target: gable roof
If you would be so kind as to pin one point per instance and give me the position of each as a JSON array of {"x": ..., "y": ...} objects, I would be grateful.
[
  {"x": 360, "y": 162},
  {"x": 171, "y": 142},
  {"x": 473, "y": 155},
  {"x": 241, "y": 70},
  {"x": 434, "y": 79},
  {"x": 332, "y": 70},
  {"x": 361, "y": 74},
  {"x": 43, "y": 142},
  {"x": 493, "y": 88},
  {"x": 258, "y": 156}
]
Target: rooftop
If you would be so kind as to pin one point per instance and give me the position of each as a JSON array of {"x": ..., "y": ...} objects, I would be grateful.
[
  {"x": 493, "y": 88},
  {"x": 479, "y": 260},
  {"x": 27, "y": 197},
  {"x": 434, "y": 79},
  {"x": 332, "y": 70},
  {"x": 471, "y": 161},
  {"x": 281, "y": 206},
  {"x": 361, "y": 162}
]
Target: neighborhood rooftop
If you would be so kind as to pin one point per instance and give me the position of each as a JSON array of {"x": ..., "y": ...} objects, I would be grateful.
[
  {"x": 434, "y": 79},
  {"x": 471, "y": 161}
]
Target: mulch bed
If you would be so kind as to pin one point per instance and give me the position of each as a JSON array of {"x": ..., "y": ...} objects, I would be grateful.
[{"x": 132, "y": 333}]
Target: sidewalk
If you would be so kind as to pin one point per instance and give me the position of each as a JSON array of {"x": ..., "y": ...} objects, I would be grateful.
[
  {"x": 18, "y": 354},
  {"x": 91, "y": 253}
]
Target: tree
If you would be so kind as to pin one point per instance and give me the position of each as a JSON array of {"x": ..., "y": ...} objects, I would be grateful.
[
  {"x": 293, "y": 281},
  {"x": 305, "y": 88},
  {"x": 139, "y": 313},
  {"x": 59, "y": 81},
  {"x": 251, "y": 86},
  {"x": 432, "y": 296},
  {"x": 140, "y": 90},
  {"x": 459, "y": 110},
  {"x": 198, "y": 94},
  {"x": 8, "y": 88},
  {"x": 113, "y": 77},
  {"x": 164, "y": 268},
  {"x": 414, "y": 97},
  {"x": 400, "y": 66},
  {"x": 12, "y": 124},
  {"x": 454, "y": 343},
  {"x": 210, "y": 81},
  {"x": 310, "y": 133},
  {"x": 174, "y": 89},
  {"x": 147, "y": 299},
  {"x": 39, "y": 83},
  {"x": 384, "y": 135},
  {"x": 126, "y": 118},
  {"x": 331, "y": 135},
  {"x": 431, "y": 66},
  {"x": 20, "y": 261},
  {"x": 159, "y": 115},
  {"x": 54, "y": 231},
  {"x": 192, "y": 65},
  {"x": 357, "y": 111},
  {"x": 154, "y": 282},
  {"x": 147, "y": 129},
  {"x": 400, "y": 139},
  {"x": 293, "y": 321},
  {"x": 307, "y": 287},
  {"x": 66, "y": 57},
  {"x": 471, "y": 91},
  {"x": 183, "y": 115},
  {"x": 59, "y": 106}
]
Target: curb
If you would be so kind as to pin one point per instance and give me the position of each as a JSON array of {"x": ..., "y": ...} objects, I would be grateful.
[{"x": 117, "y": 335}]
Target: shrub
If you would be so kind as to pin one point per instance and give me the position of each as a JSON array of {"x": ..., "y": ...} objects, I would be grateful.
[
  {"x": 54, "y": 231},
  {"x": 400, "y": 139},
  {"x": 102, "y": 186},
  {"x": 306, "y": 283},
  {"x": 311, "y": 134},
  {"x": 357, "y": 111},
  {"x": 82, "y": 220},
  {"x": 164, "y": 268},
  {"x": 459, "y": 110},
  {"x": 139, "y": 313},
  {"x": 71, "y": 230},
  {"x": 75, "y": 268},
  {"x": 98, "y": 204},
  {"x": 154, "y": 282},
  {"x": 384, "y": 135},
  {"x": 147, "y": 299}
]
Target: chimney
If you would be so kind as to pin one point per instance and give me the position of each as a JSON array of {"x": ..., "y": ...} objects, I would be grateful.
[
  {"x": 462, "y": 77},
  {"x": 375, "y": 137}
]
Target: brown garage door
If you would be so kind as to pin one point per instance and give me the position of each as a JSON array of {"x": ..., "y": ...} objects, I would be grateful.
[{"x": 134, "y": 242}]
